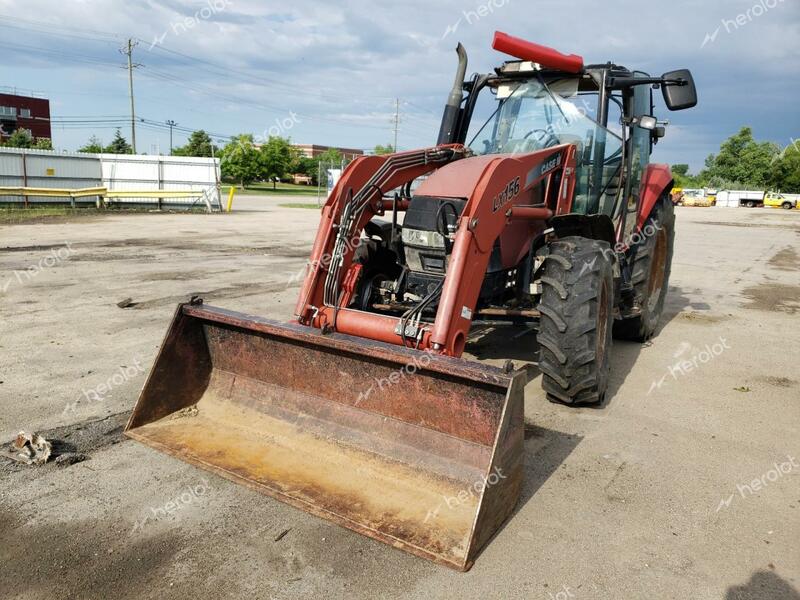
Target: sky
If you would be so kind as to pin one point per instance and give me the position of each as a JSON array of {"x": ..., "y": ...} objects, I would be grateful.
[{"x": 334, "y": 73}]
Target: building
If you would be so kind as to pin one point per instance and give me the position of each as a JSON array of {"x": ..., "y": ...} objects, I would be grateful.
[
  {"x": 314, "y": 150},
  {"x": 24, "y": 112}
]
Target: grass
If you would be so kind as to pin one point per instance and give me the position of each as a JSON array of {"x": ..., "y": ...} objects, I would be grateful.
[
  {"x": 10, "y": 216},
  {"x": 265, "y": 189},
  {"x": 54, "y": 214},
  {"x": 300, "y": 205}
]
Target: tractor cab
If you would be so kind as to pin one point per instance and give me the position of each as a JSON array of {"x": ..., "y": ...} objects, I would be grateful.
[{"x": 547, "y": 99}]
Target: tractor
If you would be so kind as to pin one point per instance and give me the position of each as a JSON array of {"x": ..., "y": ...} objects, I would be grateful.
[{"x": 538, "y": 206}]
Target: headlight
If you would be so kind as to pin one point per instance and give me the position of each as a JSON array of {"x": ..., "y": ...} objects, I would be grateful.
[{"x": 418, "y": 237}]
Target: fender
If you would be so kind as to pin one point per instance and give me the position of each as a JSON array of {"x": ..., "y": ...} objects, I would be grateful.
[
  {"x": 596, "y": 227},
  {"x": 656, "y": 180}
]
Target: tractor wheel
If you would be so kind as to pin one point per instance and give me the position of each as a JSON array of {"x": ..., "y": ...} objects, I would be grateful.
[
  {"x": 577, "y": 308},
  {"x": 651, "y": 262}
]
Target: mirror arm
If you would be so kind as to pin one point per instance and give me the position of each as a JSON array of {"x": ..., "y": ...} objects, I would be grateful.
[{"x": 626, "y": 82}]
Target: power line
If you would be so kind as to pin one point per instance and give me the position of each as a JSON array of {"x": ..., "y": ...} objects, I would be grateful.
[
  {"x": 57, "y": 53},
  {"x": 184, "y": 83},
  {"x": 225, "y": 71},
  {"x": 63, "y": 28}
]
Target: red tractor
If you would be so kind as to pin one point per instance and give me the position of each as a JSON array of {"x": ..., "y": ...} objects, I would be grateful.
[
  {"x": 546, "y": 214},
  {"x": 539, "y": 204}
]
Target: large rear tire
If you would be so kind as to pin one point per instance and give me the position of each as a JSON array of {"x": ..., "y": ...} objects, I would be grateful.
[
  {"x": 577, "y": 308},
  {"x": 651, "y": 263}
]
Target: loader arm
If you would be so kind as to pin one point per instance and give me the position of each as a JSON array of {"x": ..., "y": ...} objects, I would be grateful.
[
  {"x": 357, "y": 197},
  {"x": 502, "y": 194}
]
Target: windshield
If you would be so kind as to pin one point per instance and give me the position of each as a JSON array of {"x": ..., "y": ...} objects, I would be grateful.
[{"x": 531, "y": 116}]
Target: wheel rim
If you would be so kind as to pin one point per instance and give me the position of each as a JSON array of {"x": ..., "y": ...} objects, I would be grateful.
[
  {"x": 658, "y": 266},
  {"x": 602, "y": 324}
]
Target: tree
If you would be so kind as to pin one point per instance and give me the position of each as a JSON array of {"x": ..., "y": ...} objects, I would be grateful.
[
  {"x": 330, "y": 159},
  {"x": 93, "y": 146},
  {"x": 331, "y": 156},
  {"x": 307, "y": 166},
  {"x": 21, "y": 138},
  {"x": 742, "y": 160},
  {"x": 240, "y": 161},
  {"x": 198, "y": 144},
  {"x": 296, "y": 159},
  {"x": 387, "y": 149},
  {"x": 680, "y": 169},
  {"x": 276, "y": 155},
  {"x": 119, "y": 145},
  {"x": 785, "y": 175}
]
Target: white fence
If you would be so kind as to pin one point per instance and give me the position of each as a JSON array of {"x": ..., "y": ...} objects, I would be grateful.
[{"x": 115, "y": 172}]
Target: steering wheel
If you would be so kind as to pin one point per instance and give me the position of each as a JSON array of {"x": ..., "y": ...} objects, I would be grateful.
[{"x": 544, "y": 137}]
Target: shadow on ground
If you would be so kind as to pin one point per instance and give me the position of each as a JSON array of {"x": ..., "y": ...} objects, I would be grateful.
[
  {"x": 763, "y": 585},
  {"x": 519, "y": 343}
]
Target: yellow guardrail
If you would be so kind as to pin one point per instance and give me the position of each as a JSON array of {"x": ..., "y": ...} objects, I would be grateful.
[
  {"x": 104, "y": 194},
  {"x": 53, "y": 192},
  {"x": 99, "y": 191}
]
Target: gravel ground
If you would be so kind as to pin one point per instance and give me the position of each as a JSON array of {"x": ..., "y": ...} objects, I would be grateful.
[{"x": 650, "y": 496}]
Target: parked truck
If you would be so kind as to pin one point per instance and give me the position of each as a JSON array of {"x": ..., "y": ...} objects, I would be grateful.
[
  {"x": 778, "y": 200},
  {"x": 757, "y": 199}
]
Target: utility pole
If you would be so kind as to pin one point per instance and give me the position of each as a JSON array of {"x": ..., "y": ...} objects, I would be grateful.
[
  {"x": 172, "y": 124},
  {"x": 128, "y": 51},
  {"x": 396, "y": 120}
]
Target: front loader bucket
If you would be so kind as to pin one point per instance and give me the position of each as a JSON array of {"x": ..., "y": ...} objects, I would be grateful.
[{"x": 420, "y": 451}]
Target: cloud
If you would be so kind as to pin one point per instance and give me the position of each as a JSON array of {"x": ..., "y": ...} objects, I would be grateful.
[{"x": 356, "y": 58}]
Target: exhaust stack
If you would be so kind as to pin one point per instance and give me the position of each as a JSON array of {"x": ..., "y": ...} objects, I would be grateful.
[{"x": 452, "y": 109}]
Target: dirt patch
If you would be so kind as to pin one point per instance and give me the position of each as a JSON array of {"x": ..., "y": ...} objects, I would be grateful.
[
  {"x": 87, "y": 559},
  {"x": 779, "y": 382},
  {"x": 702, "y": 318},
  {"x": 786, "y": 260},
  {"x": 40, "y": 248},
  {"x": 202, "y": 245},
  {"x": 72, "y": 444},
  {"x": 788, "y": 226},
  {"x": 112, "y": 257},
  {"x": 180, "y": 275},
  {"x": 234, "y": 291},
  {"x": 773, "y": 297}
]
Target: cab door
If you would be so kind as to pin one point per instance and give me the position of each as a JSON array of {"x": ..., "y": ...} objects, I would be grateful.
[{"x": 639, "y": 147}]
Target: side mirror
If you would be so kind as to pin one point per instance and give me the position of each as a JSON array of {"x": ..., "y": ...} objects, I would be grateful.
[
  {"x": 679, "y": 96},
  {"x": 659, "y": 132}
]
